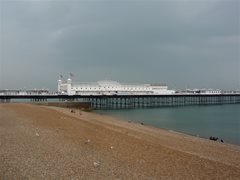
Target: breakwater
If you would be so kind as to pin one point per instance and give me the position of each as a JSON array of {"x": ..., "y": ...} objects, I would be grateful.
[{"x": 76, "y": 105}]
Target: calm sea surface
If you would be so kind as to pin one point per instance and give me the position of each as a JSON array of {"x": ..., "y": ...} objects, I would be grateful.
[{"x": 222, "y": 121}]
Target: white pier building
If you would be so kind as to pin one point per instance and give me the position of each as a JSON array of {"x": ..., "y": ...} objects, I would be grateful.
[{"x": 110, "y": 88}]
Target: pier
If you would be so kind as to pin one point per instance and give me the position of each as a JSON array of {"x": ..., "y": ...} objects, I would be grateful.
[{"x": 130, "y": 101}]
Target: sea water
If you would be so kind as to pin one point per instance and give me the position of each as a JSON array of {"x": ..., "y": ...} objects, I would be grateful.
[{"x": 222, "y": 121}]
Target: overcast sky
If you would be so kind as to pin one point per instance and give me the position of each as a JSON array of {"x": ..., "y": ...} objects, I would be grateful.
[{"x": 185, "y": 44}]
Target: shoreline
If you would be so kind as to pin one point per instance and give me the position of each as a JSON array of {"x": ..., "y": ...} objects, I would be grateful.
[
  {"x": 226, "y": 139},
  {"x": 52, "y": 104},
  {"x": 52, "y": 142},
  {"x": 147, "y": 130},
  {"x": 160, "y": 128}
]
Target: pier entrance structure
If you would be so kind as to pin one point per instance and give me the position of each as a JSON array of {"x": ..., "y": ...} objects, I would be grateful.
[{"x": 110, "y": 88}]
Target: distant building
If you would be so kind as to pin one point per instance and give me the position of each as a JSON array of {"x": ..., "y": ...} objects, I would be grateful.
[
  {"x": 24, "y": 92},
  {"x": 110, "y": 88},
  {"x": 200, "y": 91}
]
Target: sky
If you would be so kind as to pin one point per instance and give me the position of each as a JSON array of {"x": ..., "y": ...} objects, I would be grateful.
[{"x": 183, "y": 43}]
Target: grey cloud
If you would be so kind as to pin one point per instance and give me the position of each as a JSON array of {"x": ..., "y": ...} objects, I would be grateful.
[{"x": 181, "y": 43}]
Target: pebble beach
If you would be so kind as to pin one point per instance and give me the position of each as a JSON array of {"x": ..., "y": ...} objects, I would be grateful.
[{"x": 41, "y": 142}]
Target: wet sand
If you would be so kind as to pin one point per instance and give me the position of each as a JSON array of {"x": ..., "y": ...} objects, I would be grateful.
[{"x": 38, "y": 142}]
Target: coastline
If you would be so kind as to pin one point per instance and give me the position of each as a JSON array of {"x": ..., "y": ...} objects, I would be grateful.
[
  {"x": 219, "y": 121},
  {"x": 52, "y": 140},
  {"x": 147, "y": 130}
]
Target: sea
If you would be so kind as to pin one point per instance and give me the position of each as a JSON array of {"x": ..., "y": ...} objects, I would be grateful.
[{"x": 222, "y": 121}]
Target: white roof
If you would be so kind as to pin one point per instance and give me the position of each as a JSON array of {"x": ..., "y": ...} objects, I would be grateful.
[{"x": 108, "y": 83}]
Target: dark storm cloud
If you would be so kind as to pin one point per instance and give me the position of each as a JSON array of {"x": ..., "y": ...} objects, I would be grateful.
[{"x": 182, "y": 43}]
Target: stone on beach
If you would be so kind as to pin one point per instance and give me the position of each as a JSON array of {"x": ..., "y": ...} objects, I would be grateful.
[
  {"x": 87, "y": 141},
  {"x": 96, "y": 163}
]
